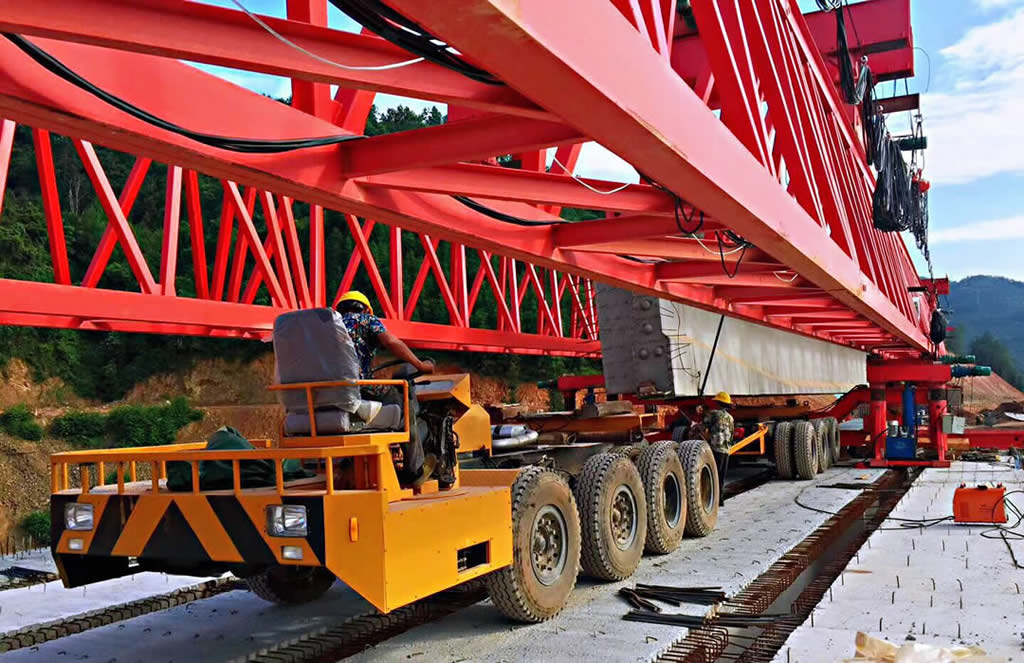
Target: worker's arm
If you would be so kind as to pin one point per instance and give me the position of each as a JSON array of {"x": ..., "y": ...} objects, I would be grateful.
[{"x": 397, "y": 347}]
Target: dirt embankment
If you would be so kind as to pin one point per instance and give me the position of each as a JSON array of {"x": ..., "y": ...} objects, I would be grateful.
[{"x": 991, "y": 393}]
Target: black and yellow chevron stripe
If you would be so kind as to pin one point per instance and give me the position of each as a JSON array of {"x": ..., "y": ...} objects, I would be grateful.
[{"x": 188, "y": 528}]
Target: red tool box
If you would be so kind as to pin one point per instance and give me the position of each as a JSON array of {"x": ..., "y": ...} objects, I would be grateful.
[{"x": 979, "y": 504}]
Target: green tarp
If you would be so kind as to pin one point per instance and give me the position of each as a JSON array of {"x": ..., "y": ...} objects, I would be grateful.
[{"x": 216, "y": 474}]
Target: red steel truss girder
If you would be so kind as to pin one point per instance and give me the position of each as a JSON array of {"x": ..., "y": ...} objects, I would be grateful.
[
  {"x": 882, "y": 25},
  {"x": 643, "y": 278},
  {"x": 214, "y": 35},
  {"x": 33, "y": 304},
  {"x": 670, "y": 134},
  {"x": 54, "y": 313},
  {"x": 882, "y": 31}
]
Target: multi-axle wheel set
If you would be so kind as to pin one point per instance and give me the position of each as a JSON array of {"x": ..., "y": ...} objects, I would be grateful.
[
  {"x": 601, "y": 520},
  {"x": 803, "y": 449}
]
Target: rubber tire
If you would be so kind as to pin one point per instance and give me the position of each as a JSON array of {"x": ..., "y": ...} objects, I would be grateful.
[
  {"x": 515, "y": 589},
  {"x": 834, "y": 439},
  {"x": 657, "y": 462},
  {"x": 291, "y": 585},
  {"x": 630, "y": 451},
  {"x": 596, "y": 487},
  {"x": 695, "y": 456},
  {"x": 782, "y": 442},
  {"x": 824, "y": 447},
  {"x": 805, "y": 450}
]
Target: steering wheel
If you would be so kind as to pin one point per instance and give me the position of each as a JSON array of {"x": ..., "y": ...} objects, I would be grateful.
[
  {"x": 387, "y": 364},
  {"x": 400, "y": 374}
]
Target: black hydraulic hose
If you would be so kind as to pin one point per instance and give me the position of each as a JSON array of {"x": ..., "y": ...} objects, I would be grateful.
[{"x": 251, "y": 145}]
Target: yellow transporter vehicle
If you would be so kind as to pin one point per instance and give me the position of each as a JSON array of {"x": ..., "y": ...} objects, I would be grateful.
[{"x": 357, "y": 513}]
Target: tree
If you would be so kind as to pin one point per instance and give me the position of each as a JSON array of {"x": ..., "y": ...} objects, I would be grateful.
[
  {"x": 990, "y": 351},
  {"x": 958, "y": 340}
]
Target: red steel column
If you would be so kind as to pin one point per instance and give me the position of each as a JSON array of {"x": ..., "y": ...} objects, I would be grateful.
[
  {"x": 875, "y": 423},
  {"x": 937, "y": 408},
  {"x": 313, "y": 98}
]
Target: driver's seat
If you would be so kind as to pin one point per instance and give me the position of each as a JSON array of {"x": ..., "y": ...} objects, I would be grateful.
[{"x": 313, "y": 345}]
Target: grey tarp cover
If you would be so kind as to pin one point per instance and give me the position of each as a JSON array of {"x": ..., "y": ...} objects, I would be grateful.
[{"x": 313, "y": 345}]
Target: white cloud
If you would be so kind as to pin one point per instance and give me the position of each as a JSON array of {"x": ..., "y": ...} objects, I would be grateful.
[
  {"x": 996, "y": 229},
  {"x": 987, "y": 5},
  {"x": 973, "y": 129}
]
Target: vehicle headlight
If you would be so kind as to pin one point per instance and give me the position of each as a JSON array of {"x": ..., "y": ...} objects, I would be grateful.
[
  {"x": 286, "y": 520},
  {"x": 78, "y": 516}
]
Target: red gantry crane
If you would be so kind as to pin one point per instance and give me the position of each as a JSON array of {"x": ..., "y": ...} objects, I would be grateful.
[{"x": 754, "y": 127}]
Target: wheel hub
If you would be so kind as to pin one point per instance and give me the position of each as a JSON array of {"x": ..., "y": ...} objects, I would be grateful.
[
  {"x": 623, "y": 517},
  {"x": 707, "y": 489},
  {"x": 673, "y": 501},
  {"x": 549, "y": 545}
]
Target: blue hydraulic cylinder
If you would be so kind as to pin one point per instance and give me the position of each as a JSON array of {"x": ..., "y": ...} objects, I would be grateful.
[{"x": 910, "y": 410}]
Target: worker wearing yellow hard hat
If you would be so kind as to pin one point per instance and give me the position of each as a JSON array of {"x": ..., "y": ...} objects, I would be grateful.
[
  {"x": 721, "y": 429},
  {"x": 724, "y": 398},
  {"x": 370, "y": 335},
  {"x": 357, "y": 297}
]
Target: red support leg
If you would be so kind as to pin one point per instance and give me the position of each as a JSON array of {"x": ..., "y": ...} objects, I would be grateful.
[
  {"x": 505, "y": 320},
  {"x": 876, "y": 422},
  {"x": 354, "y": 261},
  {"x": 241, "y": 241},
  {"x": 317, "y": 268},
  {"x": 421, "y": 278},
  {"x": 109, "y": 239},
  {"x": 313, "y": 98},
  {"x": 363, "y": 248},
  {"x": 280, "y": 256},
  {"x": 455, "y": 318},
  {"x": 937, "y": 408},
  {"x": 51, "y": 207},
  {"x": 172, "y": 219},
  {"x": 397, "y": 276},
  {"x": 6, "y": 143},
  {"x": 112, "y": 207},
  {"x": 248, "y": 230},
  {"x": 295, "y": 251},
  {"x": 196, "y": 234}
]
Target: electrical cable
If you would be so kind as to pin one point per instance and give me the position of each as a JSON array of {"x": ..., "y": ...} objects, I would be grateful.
[
  {"x": 501, "y": 216},
  {"x": 678, "y": 210},
  {"x": 1004, "y": 532},
  {"x": 928, "y": 81},
  {"x": 789, "y": 280},
  {"x": 249, "y": 145},
  {"x": 853, "y": 90},
  {"x": 603, "y": 193},
  {"x": 721, "y": 256},
  {"x": 385, "y": 22},
  {"x": 383, "y": 67}
]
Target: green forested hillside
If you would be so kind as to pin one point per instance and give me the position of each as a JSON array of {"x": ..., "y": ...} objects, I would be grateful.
[
  {"x": 105, "y": 365},
  {"x": 988, "y": 314}
]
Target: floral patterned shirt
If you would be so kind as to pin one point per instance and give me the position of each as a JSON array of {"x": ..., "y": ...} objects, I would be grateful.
[{"x": 365, "y": 330}]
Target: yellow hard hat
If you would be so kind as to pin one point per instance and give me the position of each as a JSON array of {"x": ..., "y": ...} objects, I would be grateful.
[
  {"x": 723, "y": 398},
  {"x": 356, "y": 296}
]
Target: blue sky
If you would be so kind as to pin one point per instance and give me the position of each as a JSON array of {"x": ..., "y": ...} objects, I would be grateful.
[{"x": 972, "y": 101}]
